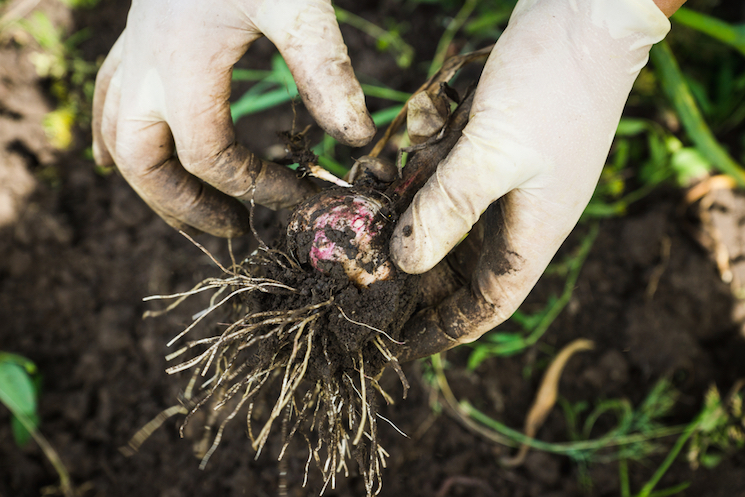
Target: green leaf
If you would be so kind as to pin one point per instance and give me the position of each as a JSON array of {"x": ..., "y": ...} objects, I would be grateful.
[
  {"x": 385, "y": 116},
  {"x": 250, "y": 104},
  {"x": 710, "y": 461},
  {"x": 20, "y": 434},
  {"x": 689, "y": 165},
  {"x": 17, "y": 390},
  {"x": 250, "y": 74},
  {"x": 26, "y": 364},
  {"x": 631, "y": 126},
  {"x": 504, "y": 337},
  {"x": 477, "y": 357},
  {"x": 264, "y": 95},
  {"x": 384, "y": 92},
  {"x": 19, "y": 394}
]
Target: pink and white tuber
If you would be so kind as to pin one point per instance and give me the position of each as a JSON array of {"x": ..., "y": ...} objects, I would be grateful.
[{"x": 350, "y": 228}]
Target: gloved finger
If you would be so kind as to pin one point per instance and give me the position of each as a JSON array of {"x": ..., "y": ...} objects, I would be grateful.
[
  {"x": 190, "y": 90},
  {"x": 101, "y": 153},
  {"x": 171, "y": 88},
  {"x": 317, "y": 57},
  {"x": 181, "y": 199}
]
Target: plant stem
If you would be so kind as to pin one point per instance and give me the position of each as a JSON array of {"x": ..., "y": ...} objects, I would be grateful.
[
  {"x": 732, "y": 35},
  {"x": 386, "y": 93},
  {"x": 447, "y": 37},
  {"x": 646, "y": 491},
  {"x": 623, "y": 476},
  {"x": 567, "y": 448},
  {"x": 46, "y": 447},
  {"x": 503, "y": 434}
]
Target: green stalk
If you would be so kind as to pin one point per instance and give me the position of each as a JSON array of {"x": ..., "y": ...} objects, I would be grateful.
[
  {"x": 386, "y": 93},
  {"x": 54, "y": 458},
  {"x": 646, "y": 491},
  {"x": 447, "y": 37},
  {"x": 404, "y": 51},
  {"x": 623, "y": 476},
  {"x": 732, "y": 35},
  {"x": 698, "y": 131},
  {"x": 503, "y": 434},
  {"x": 567, "y": 448}
]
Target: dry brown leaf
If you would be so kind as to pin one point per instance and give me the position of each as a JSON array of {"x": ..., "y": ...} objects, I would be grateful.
[{"x": 444, "y": 74}]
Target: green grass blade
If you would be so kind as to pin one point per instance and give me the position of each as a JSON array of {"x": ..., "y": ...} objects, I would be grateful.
[
  {"x": 251, "y": 104},
  {"x": 249, "y": 75},
  {"x": 385, "y": 116},
  {"x": 672, "y": 490},
  {"x": 569, "y": 285},
  {"x": 677, "y": 91},
  {"x": 623, "y": 476},
  {"x": 447, "y": 37},
  {"x": 646, "y": 491},
  {"x": 386, "y": 93},
  {"x": 566, "y": 448},
  {"x": 732, "y": 35}
]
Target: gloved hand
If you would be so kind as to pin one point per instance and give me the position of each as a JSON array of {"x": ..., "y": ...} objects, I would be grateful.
[
  {"x": 165, "y": 86},
  {"x": 543, "y": 119}
]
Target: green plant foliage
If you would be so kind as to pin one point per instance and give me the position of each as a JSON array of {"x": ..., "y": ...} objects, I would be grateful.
[
  {"x": 19, "y": 393},
  {"x": 729, "y": 34},
  {"x": 721, "y": 429},
  {"x": 675, "y": 87},
  {"x": 273, "y": 88}
]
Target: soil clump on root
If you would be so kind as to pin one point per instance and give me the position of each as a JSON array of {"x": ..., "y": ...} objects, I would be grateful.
[{"x": 320, "y": 339}]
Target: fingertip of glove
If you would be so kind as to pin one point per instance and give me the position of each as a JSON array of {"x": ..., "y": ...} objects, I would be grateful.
[
  {"x": 355, "y": 127},
  {"x": 359, "y": 134},
  {"x": 410, "y": 252}
]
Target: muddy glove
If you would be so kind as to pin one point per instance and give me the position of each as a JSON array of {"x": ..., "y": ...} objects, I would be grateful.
[
  {"x": 543, "y": 119},
  {"x": 164, "y": 88}
]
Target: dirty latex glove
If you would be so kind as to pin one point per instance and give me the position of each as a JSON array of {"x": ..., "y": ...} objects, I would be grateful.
[
  {"x": 543, "y": 119},
  {"x": 165, "y": 86}
]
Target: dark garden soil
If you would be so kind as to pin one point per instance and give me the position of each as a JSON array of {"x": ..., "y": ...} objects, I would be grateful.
[{"x": 79, "y": 250}]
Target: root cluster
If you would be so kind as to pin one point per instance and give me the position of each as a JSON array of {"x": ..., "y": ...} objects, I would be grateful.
[{"x": 281, "y": 336}]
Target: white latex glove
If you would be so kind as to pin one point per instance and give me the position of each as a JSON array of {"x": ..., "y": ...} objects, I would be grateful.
[
  {"x": 543, "y": 119},
  {"x": 165, "y": 85}
]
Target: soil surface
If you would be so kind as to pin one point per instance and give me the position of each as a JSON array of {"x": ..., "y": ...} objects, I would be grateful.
[{"x": 79, "y": 251}]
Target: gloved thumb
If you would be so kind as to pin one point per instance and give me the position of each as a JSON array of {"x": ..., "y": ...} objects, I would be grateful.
[{"x": 473, "y": 176}]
